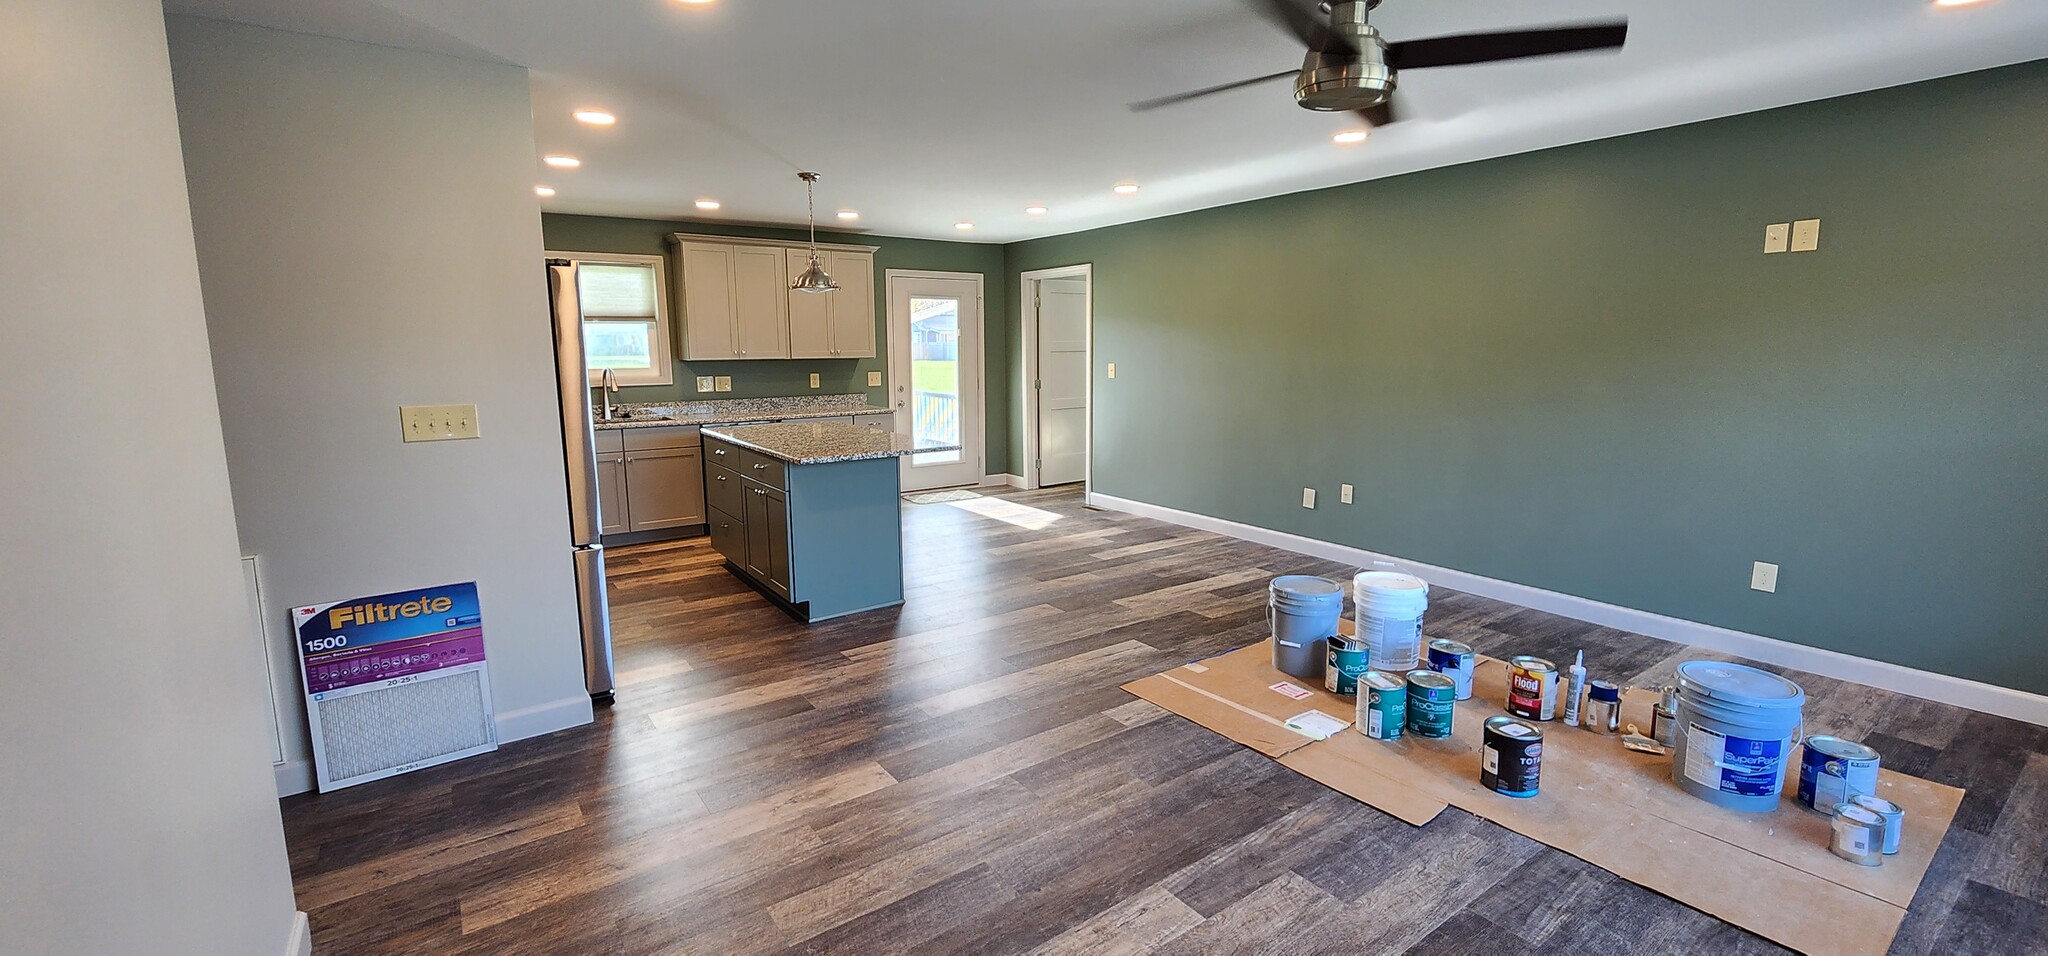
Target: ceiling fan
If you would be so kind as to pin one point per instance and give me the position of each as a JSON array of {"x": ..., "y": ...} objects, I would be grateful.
[{"x": 1350, "y": 67}]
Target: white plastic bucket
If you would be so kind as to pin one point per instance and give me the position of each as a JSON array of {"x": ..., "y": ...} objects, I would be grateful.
[
  {"x": 1389, "y": 607},
  {"x": 1736, "y": 729},
  {"x": 1302, "y": 611}
]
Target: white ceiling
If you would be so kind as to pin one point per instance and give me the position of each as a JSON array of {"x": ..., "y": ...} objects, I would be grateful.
[{"x": 920, "y": 113}]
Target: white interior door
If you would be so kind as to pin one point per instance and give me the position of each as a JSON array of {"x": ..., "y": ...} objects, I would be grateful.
[
  {"x": 1062, "y": 385},
  {"x": 935, "y": 368}
]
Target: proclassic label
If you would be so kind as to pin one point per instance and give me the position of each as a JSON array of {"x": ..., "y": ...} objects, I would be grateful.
[{"x": 1737, "y": 765}]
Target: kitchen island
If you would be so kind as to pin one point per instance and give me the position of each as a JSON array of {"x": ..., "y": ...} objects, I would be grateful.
[{"x": 810, "y": 513}]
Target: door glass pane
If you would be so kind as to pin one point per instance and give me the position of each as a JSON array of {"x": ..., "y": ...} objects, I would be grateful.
[
  {"x": 626, "y": 346},
  {"x": 935, "y": 377}
]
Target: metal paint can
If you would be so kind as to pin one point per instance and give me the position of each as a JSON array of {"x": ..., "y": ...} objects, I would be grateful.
[
  {"x": 1432, "y": 703},
  {"x": 1454, "y": 660},
  {"x": 1532, "y": 688},
  {"x": 1382, "y": 706},
  {"x": 1346, "y": 663},
  {"x": 1858, "y": 835},
  {"x": 1664, "y": 718},
  {"x": 1893, "y": 817},
  {"x": 1511, "y": 757},
  {"x": 1832, "y": 770}
]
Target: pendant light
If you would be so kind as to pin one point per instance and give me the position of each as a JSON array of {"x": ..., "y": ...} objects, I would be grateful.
[{"x": 814, "y": 278}]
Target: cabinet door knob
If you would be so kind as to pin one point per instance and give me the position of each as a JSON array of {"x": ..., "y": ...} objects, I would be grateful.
[
  {"x": 718, "y": 451},
  {"x": 721, "y": 477},
  {"x": 758, "y": 466}
]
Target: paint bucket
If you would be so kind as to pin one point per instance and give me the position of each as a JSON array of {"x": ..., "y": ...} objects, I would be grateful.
[
  {"x": 1382, "y": 706},
  {"x": 1532, "y": 688},
  {"x": 1389, "y": 606},
  {"x": 1833, "y": 770},
  {"x": 1893, "y": 817},
  {"x": 1432, "y": 704},
  {"x": 1456, "y": 661},
  {"x": 1302, "y": 610},
  {"x": 1736, "y": 727},
  {"x": 1858, "y": 835},
  {"x": 1344, "y": 664},
  {"x": 1511, "y": 757}
]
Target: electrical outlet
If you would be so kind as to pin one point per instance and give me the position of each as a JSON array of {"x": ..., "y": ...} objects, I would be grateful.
[
  {"x": 1344, "y": 494},
  {"x": 705, "y": 383},
  {"x": 1308, "y": 497},
  {"x": 1777, "y": 238},
  {"x": 437, "y": 422},
  {"x": 723, "y": 383},
  {"x": 1763, "y": 577},
  {"x": 1112, "y": 370},
  {"x": 874, "y": 380},
  {"x": 1806, "y": 235},
  {"x": 814, "y": 380}
]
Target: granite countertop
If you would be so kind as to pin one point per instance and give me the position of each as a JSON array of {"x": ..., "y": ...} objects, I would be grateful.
[
  {"x": 815, "y": 443},
  {"x": 733, "y": 410}
]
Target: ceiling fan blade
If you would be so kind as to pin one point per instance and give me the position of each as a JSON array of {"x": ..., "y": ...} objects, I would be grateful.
[
  {"x": 1304, "y": 22},
  {"x": 1378, "y": 116},
  {"x": 1153, "y": 104},
  {"x": 1512, "y": 45}
]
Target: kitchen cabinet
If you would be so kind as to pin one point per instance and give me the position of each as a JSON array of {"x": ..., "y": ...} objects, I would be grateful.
[
  {"x": 834, "y": 324},
  {"x": 734, "y": 301},
  {"x": 650, "y": 479},
  {"x": 824, "y": 539}
]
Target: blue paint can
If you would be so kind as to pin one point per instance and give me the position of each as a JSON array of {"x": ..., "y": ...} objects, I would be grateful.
[{"x": 1833, "y": 771}]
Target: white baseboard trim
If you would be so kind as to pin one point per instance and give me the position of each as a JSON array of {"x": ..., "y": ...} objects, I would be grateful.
[
  {"x": 296, "y": 776},
  {"x": 544, "y": 718},
  {"x": 301, "y": 941},
  {"x": 1013, "y": 481},
  {"x": 1989, "y": 698}
]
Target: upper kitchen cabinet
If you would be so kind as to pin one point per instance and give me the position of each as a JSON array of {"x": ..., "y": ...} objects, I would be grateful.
[
  {"x": 834, "y": 324},
  {"x": 737, "y": 304}
]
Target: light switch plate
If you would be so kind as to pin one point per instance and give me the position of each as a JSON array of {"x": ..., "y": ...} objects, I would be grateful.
[
  {"x": 814, "y": 380},
  {"x": 1112, "y": 370},
  {"x": 1344, "y": 494},
  {"x": 706, "y": 384},
  {"x": 1806, "y": 235},
  {"x": 874, "y": 380},
  {"x": 723, "y": 383},
  {"x": 1308, "y": 497},
  {"x": 1763, "y": 577},
  {"x": 437, "y": 422},
  {"x": 1777, "y": 237}
]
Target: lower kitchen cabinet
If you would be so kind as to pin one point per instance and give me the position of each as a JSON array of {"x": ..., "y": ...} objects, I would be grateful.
[
  {"x": 611, "y": 483},
  {"x": 650, "y": 479},
  {"x": 824, "y": 539}
]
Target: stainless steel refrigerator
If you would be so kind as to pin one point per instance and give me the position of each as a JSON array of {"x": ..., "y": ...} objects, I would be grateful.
[{"x": 572, "y": 379}]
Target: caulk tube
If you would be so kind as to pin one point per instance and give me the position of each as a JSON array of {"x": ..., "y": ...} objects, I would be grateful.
[{"x": 1575, "y": 689}]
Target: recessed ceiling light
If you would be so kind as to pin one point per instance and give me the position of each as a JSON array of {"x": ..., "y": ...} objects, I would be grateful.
[
  {"x": 1125, "y": 189},
  {"x": 1351, "y": 136},
  {"x": 848, "y": 215},
  {"x": 696, "y": 3},
  {"x": 1035, "y": 210},
  {"x": 561, "y": 162},
  {"x": 707, "y": 204},
  {"x": 595, "y": 117},
  {"x": 964, "y": 226},
  {"x": 543, "y": 191},
  {"x": 1957, "y": 3}
]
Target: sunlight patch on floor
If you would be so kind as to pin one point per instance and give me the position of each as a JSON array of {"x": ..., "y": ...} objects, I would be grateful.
[{"x": 1023, "y": 516}]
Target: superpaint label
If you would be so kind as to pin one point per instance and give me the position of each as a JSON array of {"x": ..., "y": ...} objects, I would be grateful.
[{"x": 1737, "y": 765}]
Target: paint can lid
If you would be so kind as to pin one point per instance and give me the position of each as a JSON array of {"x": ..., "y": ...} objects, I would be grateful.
[
  {"x": 1307, "y": 587},
  {"x": 1449, "y": 646},
  {"x": 1604, "y": 691},
  {"x": 1838, "y": 748},
  {"x": 1380, "y": 680},
  {"x": 1875, "y": 804},
  {"x": 1739, "y": 684}
]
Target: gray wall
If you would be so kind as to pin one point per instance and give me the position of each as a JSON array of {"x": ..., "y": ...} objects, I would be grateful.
[
  {"x": 368, "y": 238},
  {"x": 770, "y": 378},
  {"x": 136, "y": 810},
  {"x": 1575, "y": 369}
]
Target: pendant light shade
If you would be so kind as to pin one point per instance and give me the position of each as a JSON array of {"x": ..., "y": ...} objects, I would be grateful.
[{"x": 814, "y": 278}]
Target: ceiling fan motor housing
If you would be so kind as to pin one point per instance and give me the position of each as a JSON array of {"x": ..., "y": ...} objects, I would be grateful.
[{"x": 1340, "y": 81}]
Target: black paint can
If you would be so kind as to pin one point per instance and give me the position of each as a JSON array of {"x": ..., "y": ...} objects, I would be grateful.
[{"x": 1511, "y": 757}]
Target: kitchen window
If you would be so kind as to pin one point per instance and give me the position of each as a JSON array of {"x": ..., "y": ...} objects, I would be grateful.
[{"x": 625, "y": 323}]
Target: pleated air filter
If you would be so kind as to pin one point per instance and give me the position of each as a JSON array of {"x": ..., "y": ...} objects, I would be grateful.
[{"x": 394, "y": 683}]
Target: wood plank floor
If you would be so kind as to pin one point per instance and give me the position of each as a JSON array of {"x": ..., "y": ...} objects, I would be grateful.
[{"x": 963, "y": 775}]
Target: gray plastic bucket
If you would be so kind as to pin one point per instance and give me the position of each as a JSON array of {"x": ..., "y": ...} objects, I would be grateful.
[
  {"x": 1736, "y": 729},
  {"x": 1302, "y": 611}
]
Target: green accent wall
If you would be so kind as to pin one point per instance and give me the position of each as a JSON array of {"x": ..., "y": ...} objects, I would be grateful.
[
  {"x": 1576, "y": 369},
  {"x": 776, "y": 378}
]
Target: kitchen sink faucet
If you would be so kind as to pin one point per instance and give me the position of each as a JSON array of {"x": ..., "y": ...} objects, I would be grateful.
[{"x": 610, "y": 384}]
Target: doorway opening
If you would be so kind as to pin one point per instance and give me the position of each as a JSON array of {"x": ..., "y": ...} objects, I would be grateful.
[
  {"x": 1058, "y": 393},
  {"x": 936, "y": 363}
]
